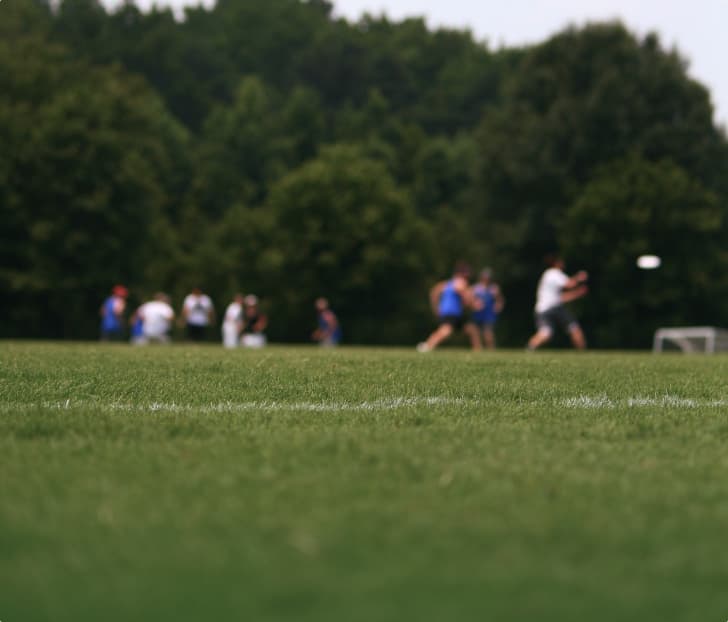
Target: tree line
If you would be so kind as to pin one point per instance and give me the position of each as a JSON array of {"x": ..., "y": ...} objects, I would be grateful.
[{"x": 269, "y": 146}]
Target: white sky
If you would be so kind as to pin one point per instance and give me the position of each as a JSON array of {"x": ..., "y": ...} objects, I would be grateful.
[{"x": 698, "y": 28}]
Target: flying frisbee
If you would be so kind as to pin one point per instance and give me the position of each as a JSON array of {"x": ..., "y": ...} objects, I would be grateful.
[{"x": 648, "y": 262}]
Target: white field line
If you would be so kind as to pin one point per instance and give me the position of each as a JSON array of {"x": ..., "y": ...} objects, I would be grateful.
[
  {"x": 602, "y": 402},
  {"x": 579, "y": 402},
  {"x": 241, "y": 407}
]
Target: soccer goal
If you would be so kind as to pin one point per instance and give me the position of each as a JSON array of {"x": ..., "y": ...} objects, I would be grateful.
[{"x": 705, "y": 339}]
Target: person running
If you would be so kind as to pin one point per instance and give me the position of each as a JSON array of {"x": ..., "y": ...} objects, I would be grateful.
[
  {"x": 198, "y": 313},
  {"x": 233, "y": 322},
  {"x": 254, "y": 324},
  {"x": 328, "y": 333},
  {"x": 112, "y": 314},
  {"x": 555, "y": 289},
  {"x": 449, "y": 299},
  {"x": 483, "y": 320}
]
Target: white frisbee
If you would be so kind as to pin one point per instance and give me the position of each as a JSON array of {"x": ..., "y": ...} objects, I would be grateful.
[{"x": 648, "y": 262}]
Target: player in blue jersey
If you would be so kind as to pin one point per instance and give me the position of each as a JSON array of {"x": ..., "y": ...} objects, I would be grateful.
[
  {"x": 482, "y": 321},
  {"x": 328, "y": 332},
  {"x": 449, "y": 300},
  {"x": 112, "y": 314}
]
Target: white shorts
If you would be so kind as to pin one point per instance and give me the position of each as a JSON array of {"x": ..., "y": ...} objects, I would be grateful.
[
  {"x": 230, "y": 335},
  {"x": 254, "y": 340}
]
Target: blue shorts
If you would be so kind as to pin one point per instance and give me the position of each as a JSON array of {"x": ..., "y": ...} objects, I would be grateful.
[{"x": 484, "y": 321}]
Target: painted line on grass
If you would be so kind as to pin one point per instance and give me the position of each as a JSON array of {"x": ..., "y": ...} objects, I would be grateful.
[
  {"x": 603, "y": 402},
  {"x": 579, "y": 402},
  {"x": 254, "y": 406}
]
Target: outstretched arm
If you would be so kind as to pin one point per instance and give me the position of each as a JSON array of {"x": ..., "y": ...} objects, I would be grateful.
[
  {"x": 578, "y": 279},
  {"x": 574, "y": 294}
]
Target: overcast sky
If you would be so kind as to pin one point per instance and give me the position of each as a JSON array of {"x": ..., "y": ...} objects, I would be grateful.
[{"x": 698, "y": 28}]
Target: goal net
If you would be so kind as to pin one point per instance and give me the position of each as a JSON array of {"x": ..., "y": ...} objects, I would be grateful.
[{"x": 705, "y": 339}]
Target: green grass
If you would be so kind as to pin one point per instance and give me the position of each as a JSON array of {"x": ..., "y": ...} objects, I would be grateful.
[{"x": 360, "y": 484}]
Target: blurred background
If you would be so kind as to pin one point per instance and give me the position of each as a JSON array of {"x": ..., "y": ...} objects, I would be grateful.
[{"x": 275, "y": 147}]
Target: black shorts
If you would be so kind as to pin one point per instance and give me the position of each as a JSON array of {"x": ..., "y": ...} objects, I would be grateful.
[
  {"x": 456, "y": 321},
  {"x": 195, "y": 332},
  {"x": 556, "y": 317}
]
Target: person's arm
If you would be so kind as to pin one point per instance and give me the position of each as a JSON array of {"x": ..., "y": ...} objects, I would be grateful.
[
  {"x": 573, "y": 294},
  {"x": 468, "y": 295},
  {"x": 261, "y": 324},
  {"x": 183, "y": 314},
  {"x": 210, "y": 312},
  {"x": 578, "y": 279},
  {"x": 332, "y": 324},
  {"x": 435, "y": 293},
  {"x": 120, "y": 306},
  {"x": 500, "y": 301}
]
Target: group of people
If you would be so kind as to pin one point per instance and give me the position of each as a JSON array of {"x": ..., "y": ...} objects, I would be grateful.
[
  {"x": 244, "y": 324},
  {"x": 474, "y": 309},
  {"x": 457, "y": 304},
  {"x": 452, "y": 299},
  {"x": 152, "y": 322}
]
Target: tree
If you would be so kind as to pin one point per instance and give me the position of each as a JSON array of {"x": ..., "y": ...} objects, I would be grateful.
[
  {"x": 582, "y": 100},
  {"x": 347, "y": 233},
  {"x": 633, "y": 207},
  {"x": 86, "y": 161}
]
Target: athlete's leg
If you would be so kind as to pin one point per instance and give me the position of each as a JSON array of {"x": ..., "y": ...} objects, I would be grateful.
[
  {"x": 541, "y": 336},
  {"x": 577, "y": 336},
  {"x": 471, "y": 330},
  {"x": 489, "y": 336},
  {"x": 436, "y": 338}
]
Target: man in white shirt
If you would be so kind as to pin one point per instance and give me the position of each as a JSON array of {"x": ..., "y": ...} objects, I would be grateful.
[
  {"x": 156, "y": 316},
  {"x": 555, "y": 289},
  {"x": 198, "y": 313},
  {"x": 232, "y": 323}
]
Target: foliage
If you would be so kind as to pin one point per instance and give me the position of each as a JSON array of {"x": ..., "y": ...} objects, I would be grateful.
[
  {"x": 348, "y": 234},
  {"x": 585, "y": 100},
  {"x": 633, "y": 207},
  {"x": 90, "y": 163},
  {"x": 216, "y": 149}
]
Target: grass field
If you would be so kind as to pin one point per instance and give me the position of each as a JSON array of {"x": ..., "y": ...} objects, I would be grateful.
[{"x": 293, "y": 483}]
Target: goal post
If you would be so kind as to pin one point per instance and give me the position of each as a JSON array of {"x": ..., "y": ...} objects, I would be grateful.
[{"x": 705, "y": 339}]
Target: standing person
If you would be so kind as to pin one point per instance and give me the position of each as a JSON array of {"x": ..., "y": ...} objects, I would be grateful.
[
  {"x": 136, "y": 328},
  {"x": 555, "y": 289},
  {"x": 233, "y": 322},
  {"x": 328, "y": 332},
  {"x": 112, "y": 314},
  {"x": 489, "y": 294},
  {"x": 449, "y": 299},
  {"x": 254, "y": 323},
  {"x": 198, "y": 313},
  {"x": 157, "y": 316}
]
